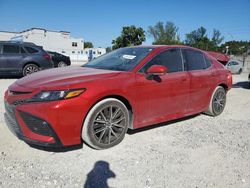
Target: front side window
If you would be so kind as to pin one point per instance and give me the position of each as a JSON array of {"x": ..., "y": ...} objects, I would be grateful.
[
  {"x": 171, "y": 59},
  {"x": 10, "y": 49},
  {"x": 123, "y": 59},
  {"x": 194, "y": 59},
  {"x": 235, "y": 63}
]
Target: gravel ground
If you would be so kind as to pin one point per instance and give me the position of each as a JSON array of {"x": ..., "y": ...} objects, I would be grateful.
[{"x": 199, "y": 151}]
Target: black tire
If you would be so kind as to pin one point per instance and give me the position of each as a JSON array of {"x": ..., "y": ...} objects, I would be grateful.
[
  {"x": 61, "y": 64},
  {"x": 29, "y": 69},
  {"x": 217, "y": 102},
  {"x": 106, "y": 124}
]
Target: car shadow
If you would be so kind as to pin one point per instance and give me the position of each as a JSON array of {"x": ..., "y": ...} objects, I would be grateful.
[
  {"x": 99, "y": 175},
  {"x": 131, "y": 132},
  {"x": 10, "y": 77},
  {"x": 244, "y": 85},
  {"x": 57, "y": 150}
]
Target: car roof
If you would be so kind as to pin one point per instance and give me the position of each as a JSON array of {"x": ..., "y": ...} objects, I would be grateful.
[
  {"x": 18, "y": 42},
  {"x": 166, "y": 47}
]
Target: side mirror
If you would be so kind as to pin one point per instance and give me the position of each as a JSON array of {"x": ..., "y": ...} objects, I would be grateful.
[{"x": 157, "y": 70}]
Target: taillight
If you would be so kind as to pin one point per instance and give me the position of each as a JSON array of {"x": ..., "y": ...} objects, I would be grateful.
[
  {"x": 229, "y": 78},
  {"x": 47, "y": 56}
]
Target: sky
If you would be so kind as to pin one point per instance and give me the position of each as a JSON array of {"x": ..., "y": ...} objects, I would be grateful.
[{"x": 101, "y": 21}]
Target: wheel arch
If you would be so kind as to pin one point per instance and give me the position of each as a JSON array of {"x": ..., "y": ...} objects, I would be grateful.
[
  {"x": 126, "y": 102},
  {"x": 121, "y": 98},
  {"x": 30, "y": 62},
  {"x": 225, "y": 86}
]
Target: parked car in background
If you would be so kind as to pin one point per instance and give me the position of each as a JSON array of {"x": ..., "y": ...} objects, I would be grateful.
[
  {"x": 59, "y": 60},
  {"x": 127, "y": 88},
  {"x": 21, "y": 59},
  {"x": 234, "y": 66},
  {"x": 249, "y": 79}
]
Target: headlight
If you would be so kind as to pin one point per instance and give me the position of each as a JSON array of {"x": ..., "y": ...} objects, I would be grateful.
[{"x": 56, "y": 95}]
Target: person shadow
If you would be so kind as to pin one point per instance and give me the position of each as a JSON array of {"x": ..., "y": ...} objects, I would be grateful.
[{"x": 99, "y": 175}]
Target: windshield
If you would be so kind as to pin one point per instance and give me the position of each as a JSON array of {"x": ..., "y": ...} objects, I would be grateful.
[{"x": 123, "y": 59}]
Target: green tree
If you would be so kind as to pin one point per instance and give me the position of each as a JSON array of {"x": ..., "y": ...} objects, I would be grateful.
[
  {"x": 88, "y": 45},
  {"x": 199, "y": 39},
  {"x": 108, "y": 49},
  {"x": 167, "y": 34},
  {"x": 235, "y": 47},
  {"x": 217, "y": 38},
  {"x": 130, "y": 36}
]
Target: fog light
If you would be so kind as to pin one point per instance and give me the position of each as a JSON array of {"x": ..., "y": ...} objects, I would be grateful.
[{"x": 36, "y": 124}]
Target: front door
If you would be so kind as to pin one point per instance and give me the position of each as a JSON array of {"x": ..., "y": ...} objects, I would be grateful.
[
  {"x": 164, "y": 97},
  {"x": 11, "y": 57}
]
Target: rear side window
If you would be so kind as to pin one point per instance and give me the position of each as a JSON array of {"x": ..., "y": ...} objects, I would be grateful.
[
  {"x": 10, "y": 49},
  {"x": 169, "y": 58},
  {"x": 194, "y": 59},
  {"x": 207, "y": 61},
  {"x": 31, "y": 50},
  {"x": 22, "y": 51}
]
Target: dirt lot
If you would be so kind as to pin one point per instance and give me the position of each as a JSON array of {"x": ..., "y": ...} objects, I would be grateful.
[{"x": 200, "y": 151}]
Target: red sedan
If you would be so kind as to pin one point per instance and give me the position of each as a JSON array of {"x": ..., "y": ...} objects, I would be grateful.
[{"x": 128, "y": 88}]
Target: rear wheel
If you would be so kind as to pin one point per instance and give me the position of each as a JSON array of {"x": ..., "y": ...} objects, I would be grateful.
[
  {"x": 106, "y": 124},
  {"x": 29, "y": 69},
  {"x": 62, "y": 64},
  {"x": 217, "y": 102}
]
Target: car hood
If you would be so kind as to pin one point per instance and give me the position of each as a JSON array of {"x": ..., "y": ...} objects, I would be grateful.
[{"x": 66, "y": 77}]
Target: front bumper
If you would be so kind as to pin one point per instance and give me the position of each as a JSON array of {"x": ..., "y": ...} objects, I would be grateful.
[
  {"x": 11, "y": 117},
  {"x": 64, "y": 118}
]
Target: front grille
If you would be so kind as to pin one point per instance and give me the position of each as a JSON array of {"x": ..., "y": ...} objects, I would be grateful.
[
  {"x": 18, "y": 92},
  {"x": 36, "y": 124},
  {"x": 10, "y": 110},
  {"x": 10, "y": 119}
]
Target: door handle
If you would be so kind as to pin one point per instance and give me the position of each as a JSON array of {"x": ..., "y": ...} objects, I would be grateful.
[
  {"x": 213, "y": 74},
  {"x": 184, "y": 79}
]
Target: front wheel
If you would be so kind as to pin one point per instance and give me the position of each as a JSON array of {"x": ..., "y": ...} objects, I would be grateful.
[
  {"x": 106, "y": 124},
  {"x": 217, "y": 102}
]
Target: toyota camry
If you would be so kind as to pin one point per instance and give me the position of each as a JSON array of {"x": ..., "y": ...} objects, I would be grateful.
[{"x": 128, "y": 88}]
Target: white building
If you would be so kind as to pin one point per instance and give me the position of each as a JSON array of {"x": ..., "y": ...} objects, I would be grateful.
[
  {"x": 58, "y": 41},
  {"x": 93, "y": 53}
]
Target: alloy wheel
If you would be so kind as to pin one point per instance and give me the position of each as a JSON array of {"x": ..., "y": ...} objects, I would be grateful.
[
  {"x": 219, "y": 101},
  {"x": 109, "y": 125},
  {"x": 31, "y": 69}
]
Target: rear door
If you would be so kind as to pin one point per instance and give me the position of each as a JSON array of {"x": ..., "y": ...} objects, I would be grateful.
[
  {"x": 164, "y": 97},
  {"x": 202, "y": 79}
]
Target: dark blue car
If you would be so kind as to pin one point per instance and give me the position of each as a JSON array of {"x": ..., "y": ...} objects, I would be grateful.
[{"x": 21, "y": 59}]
